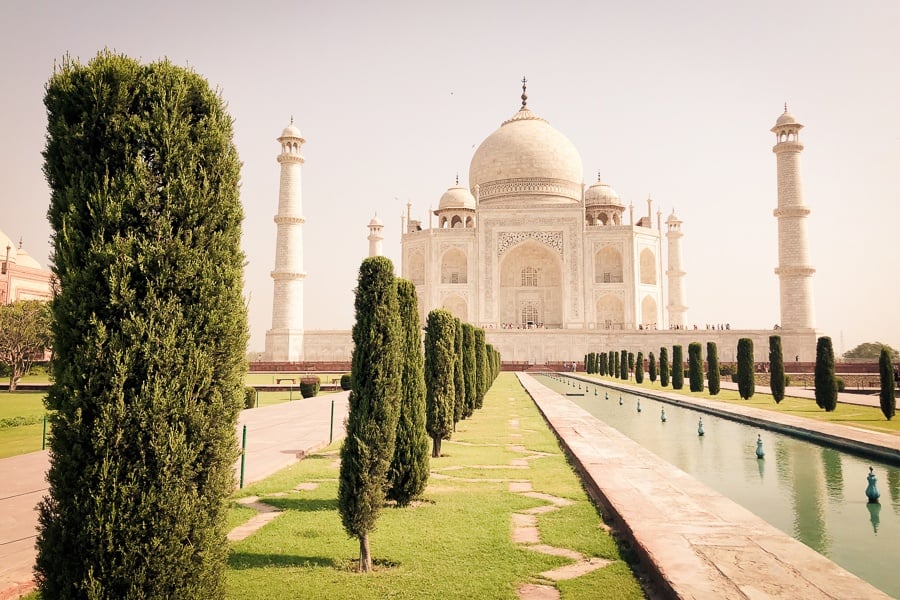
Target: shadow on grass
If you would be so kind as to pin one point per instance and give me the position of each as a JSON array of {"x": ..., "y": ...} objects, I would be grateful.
[
  {"x": 249, "y": 560},
  {"x": 303, "y": 504}
]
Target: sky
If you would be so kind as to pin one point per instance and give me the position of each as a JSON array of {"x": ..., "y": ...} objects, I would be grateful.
[{"x": 674, "y": 101}]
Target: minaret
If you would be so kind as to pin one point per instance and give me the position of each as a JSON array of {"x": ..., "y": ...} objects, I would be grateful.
[
  {"x": 794, "y": 271},
  {"x": 375, "y": 236},
  {"x": 674, "y": 273},
  {"x": 284, "y": 342}
]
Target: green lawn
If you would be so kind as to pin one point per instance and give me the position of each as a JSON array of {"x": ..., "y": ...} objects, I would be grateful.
[
  {"x": 454, "y": 544},
  {"x": 866, "y": 417},
  {"x": 270, "y": 378}
]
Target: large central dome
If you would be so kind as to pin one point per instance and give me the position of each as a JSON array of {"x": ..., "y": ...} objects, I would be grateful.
[{"x": 526, "y": 157}]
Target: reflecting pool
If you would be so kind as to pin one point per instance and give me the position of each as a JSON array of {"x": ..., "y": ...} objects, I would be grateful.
[{"x": 813, "y": 493}]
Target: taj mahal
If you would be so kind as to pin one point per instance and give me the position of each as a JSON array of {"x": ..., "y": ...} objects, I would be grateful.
[{"x": 549, "y": 266}]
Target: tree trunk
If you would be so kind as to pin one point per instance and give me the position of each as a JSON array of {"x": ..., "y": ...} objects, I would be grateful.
[
  {"x": 436, "y": 447},
  {"x": 365, "y": 557}
]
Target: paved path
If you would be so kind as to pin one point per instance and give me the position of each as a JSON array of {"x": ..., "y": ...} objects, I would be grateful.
[
  {"x": 277, "y": 436},
  {"x": 701, "y": 544}
]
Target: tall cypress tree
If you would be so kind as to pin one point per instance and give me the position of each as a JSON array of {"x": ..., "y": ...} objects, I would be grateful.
[
  {"x": 482, "y": 383},
  {"x": 664, "y": 367},
  {"x": 408, "y": 473},
  {"x": 712, "y": 375},
  {"x": 886, "y": 371},
  {"x": 149, "y": 330},
  {"x": 375, "y": 378},
  {"x": 614, "y": 361},
  {"x": 677, "y": 368},
  {"x": 631, "y": 362},
  {"x": 745, "y": 377},
  {"x": 776, "y": 368},
  {"x": 695, "y": 366},
  {"x": 826, "y": 386},
  {"x": 623, "y": 365},
  {"x": 440, "y": 396},
  {"x": 459, "y": 381},
  {"x": 604, "y": 364},
  {"x": 639, "y": 368},
  {"x": 652, "y": 367},
  {"x": 469, "y": 367}
]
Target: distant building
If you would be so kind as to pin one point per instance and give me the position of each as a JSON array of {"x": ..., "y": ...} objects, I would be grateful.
[{"x": 21, "y": 276}]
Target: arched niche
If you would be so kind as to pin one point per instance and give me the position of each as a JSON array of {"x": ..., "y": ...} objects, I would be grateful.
[
  {"x": 610, "y": 312},
  {"x": 415, "y": 270},
  {"x": 454, "y": 267},
  {"x": 648, "y": 266},
  {"x": 649, "y": 312},
  {"x": 458, "y": 307},
  {"x": 608, "y": 265},
  {"x": 531, "y": 290}
]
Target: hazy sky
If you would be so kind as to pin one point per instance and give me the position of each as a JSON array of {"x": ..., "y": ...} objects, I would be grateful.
[{"x": 394, "y": 97}]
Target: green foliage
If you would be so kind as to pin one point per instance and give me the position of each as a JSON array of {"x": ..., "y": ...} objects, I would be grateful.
[
  {"x": 712, "y": 366},
  {"x": 617, "y": 368},
  {"x": 345, "y": 381},
  {"x": 24, "y": 336},
  {"x": 376, "y": 374},
  {"x": 651, "y": 368},
  {"x": 840, "y": 384},
  {"x": 482, "y": 382},
  {"x": 309, "y": 387},
  {"x": 459, "y": 381},
  {"x": 745, "y": 377},
  {"x": 886, "y": 371},
  {"x": 408, "y": 473},
  {"x": 149, "y": 332},
  {"x": 639, "y": 368},
  {"x": 249, "y": 397},
  {"x": 604, "y": 363},
  {"x": 728, "y": 369},
  {"x": 826, "y": 386},
  {"x": 695, "y": 366},
  {"x": 664, "y": 367},
  {"x": 469, "y": 367},
  {"x": 872, "y": 351},
  {"x": 440, "y": 348},
  {"x": 631, "y": 361},
  {"x": 776, "y": 368},
  {"x": 623, "y": 364},
  {"x": 677, "y": 367}
]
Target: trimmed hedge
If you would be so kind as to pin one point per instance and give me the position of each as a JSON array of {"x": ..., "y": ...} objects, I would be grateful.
[{"x": 309, "y": 387}]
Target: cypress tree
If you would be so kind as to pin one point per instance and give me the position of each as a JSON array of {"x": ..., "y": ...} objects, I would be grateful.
[
  {"x": 776, "y": 368},
  {"x": 631, "y": 362},
  {"x": 614, "y": 363},
  {"x": 482, "y": 382},
  {"x": 408, "y": 473},
  {"x": 826, "y": 386},
  {"x": 639, "y": 368},
  {"x": 604, "y": 363},
  {"x": 712, "y": 376},
  {"x": 746, "y": 383},
  {"x": 677, "y": 368},
  {"x": 886, "y": 370},
  {"x": 149, "y": 332},
  {"x": 459, "y": 381},
  {"x": 623, "y": 365},
  {"x": 695, "y": 366},
  {"x": 440, "y": 396},
  {"x": 664, "y": 367},
  {"x": 469, "y": 367},
  {"x": 492, "y": 372},
  {"x": 375, "y": 379},
  {"x": 652, "y": 367}
]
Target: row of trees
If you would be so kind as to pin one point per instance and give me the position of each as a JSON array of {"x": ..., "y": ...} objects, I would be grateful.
[
  {"x": 24, "y": 336},
  {"x": 620, "y": 364},
  {"x": 401, "y": 397}
]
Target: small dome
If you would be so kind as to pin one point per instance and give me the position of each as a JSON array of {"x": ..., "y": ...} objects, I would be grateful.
[
  {"x": 673, "y": 219},
  {"x": 601, "y": 193},
  {"x": 23, "y": 259},
  {"x": 786, "y": 118},
  {"x": 457, "y": 197},
  {"x": 376, "y": 222},
  {"x": 291, "y": 131}
]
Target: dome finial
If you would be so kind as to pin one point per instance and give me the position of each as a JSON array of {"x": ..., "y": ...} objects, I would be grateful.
[
  {"x": 598, "y": 176},
  {"x": 457, "y": 179},
  {"x": 524, "y": 95},
  {"x": 785, "y": 108},
  {"x": 20, "y": 242},
  {"x": 292, "y": 119}
]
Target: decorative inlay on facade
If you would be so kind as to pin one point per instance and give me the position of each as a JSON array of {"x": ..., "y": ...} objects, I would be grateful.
[
  {"x": 530, "y": 185},
  {"x": 508, "y": 239}
]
